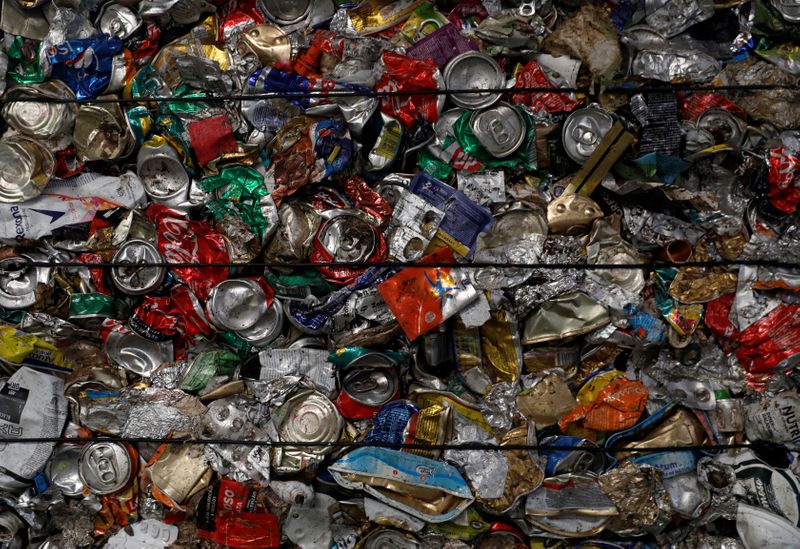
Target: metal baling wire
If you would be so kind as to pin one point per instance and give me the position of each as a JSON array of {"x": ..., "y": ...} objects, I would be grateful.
[
  {"x": 472, "y": 446},
  {"x": 551, "y": 266},
  {"x": 301, "y": 94}
]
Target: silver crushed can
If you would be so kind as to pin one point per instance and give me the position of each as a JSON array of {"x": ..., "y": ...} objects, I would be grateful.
[
  {"x": 500, "y": 129},
  {"x": 162, "y": 173},
  {"x": 267, "y": 328},
  {"x": 726, "y": 127},
  {"x": 473, "y": 70},
  {"x": 390, "y": 539},
  {"x": 236, "y": 304},
  {"x": 105, "y": 467},
  {"x": 18, "y": 281},
  {"x": 287, "y": 12},
  {"x": 26, "y": 167},
  {"x": 63, "y": 469},
  {"x": 347, "y": 237},
  {"x": 117, "y": 20},
  {"x": 136, "y": 275},
  {"x": 308, "y": 416},
  {"x": 583, "y": 131},
  {"x": 102, "y": 132},
  {"x": 789, "y": 9},
  {"x": 41, "y": 120}
]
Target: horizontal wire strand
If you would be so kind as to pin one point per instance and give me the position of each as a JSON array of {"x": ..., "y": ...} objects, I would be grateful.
[
  {"x": 474, "y": 446},
  {"x": 339, "y": 93},
  {"x": 649, "y": 265}
]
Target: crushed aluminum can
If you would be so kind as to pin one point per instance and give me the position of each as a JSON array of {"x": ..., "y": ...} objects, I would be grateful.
[
  {"x": 18, "y": 283},
  {"x": 63, "y": 470},
  {"x": 385, "y": 538},
  {"x": 117, "y": 20},
  {"x": 102, "y": 132},
  {"x": 42, "y": 120},
  {"x": 473, "y": 71},
  {"x": 287, "y": 12},
  {"x": 267, "y": 328},
  {"x": 179, "y": 472},
  {"x": 162, "y": 173},
  {"x": 583, "y": 131},
  {"x": 368, "y": 382},
  {"x": 134, "y": 276},
  {"x": 26, "y": 167},
  {"x": 789, "y": 9},
  {"x": 107, "y": 467},
  {"x": 236, "y": 304},
  {"x": 726, "y": 127},
  {"x": 136, "y": 353},
  {"x": 501, "y": 129},
  {"x": 307, "y": 416},
  {"x": 267, "y": 42}
]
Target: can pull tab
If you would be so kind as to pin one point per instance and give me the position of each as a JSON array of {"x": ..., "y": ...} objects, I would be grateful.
[
  {"x": 499, "y": 132},
  {"x": 101, "y": 459},
  {"x": 585, "y": 134}
]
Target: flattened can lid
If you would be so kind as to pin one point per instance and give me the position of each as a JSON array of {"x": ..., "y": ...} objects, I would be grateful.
[
  {"x": 789, "y": 9},
  {"x": 236, "y": 304},
  {"x": 161, "y": 172},
  {"x": 371, "y": 386},
  {"x": 473, "y": 70},
  {"x": 18, "y": 280},
  {"x": 347, "y": 237},
  {"x": 286, "y": 12},
  {"x": 390, "y": 539},
  {"x": 62, "y": 469},
  {"x": 309, "y": 416},
  {"x": 583, "y": 130},
  {"x": 500, "y": 129},
  {"x": 267, "y": 328},
  {"x": 117, "y": 20},
  {"x": 41, "y": 120},
  {"x": 26, "y": 167},
  {"x": 105, "y": 467},
  {"x": 136, "y": 277}
]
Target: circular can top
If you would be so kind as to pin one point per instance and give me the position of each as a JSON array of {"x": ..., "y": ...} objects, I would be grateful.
[
  {"x": 18, "y": 280},
  {"x": 370, "y": 386},
  {"x": 583, "y": 131},
  {"x": 789, "y": 9},
  {"x": 390, "y": 539},
  {"x": 347, "y": 237},
  {"x": 117, "y": 20},
  {"x": 161, "y": 172},
  {"x": 25, "y": 168},
  {"x": 287, "y": 12},
  {"x": 309, "y": 416},
  {"x": 40, "y": 120},
  {"x": 136, "y": 277},
  {"x": 105, "y": 467},
  {"x": 236, "y": 304},
  {"x": 723, "y": 125},
  {"x": 267, "y": 328},
  {"x": 62, "y": 469},
  {"x": 500, "y": 129},
  {"x": 473, "y": 70}
]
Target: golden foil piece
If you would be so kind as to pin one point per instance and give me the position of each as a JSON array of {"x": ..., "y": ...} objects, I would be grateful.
[
  {"x": 599, "y": 357},
  {"x": 501, "y": 353},
  {"x": 572, "y": 214},
  {"x": 432, "y": 425},
  {"x": 681, "y": 428},
  {"x": 547, "y": 401},
  {"x": 730, "y": 247},
  {"x": 376, "y": 15},
  {"x": 568, "y": 315},
  {"x": 180, "y": 471},
  {"x": 424, "y": 499},
  {"x": 639, "y": 494},
  {"x": 267, "y": 42},
  {"x": 542, "y": 359},
  {"x": 692, "y": 285},
  {"x": 523, "y": 477}
]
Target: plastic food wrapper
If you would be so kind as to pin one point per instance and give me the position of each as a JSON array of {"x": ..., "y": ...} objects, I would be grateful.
[{"x": 399, "y": 273}]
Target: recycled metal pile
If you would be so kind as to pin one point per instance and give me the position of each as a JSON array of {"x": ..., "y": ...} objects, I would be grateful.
[{"x": 402, "y": 274}]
